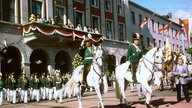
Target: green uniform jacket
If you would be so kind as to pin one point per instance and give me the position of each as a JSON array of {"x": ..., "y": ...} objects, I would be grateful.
[
  {"x": 6, "y": 83},
  {"x": 36, "y": 84},
  {"x": 88, "y": 57},
  {"x": 19, "y": 83},
  {"x": 58, "y": 82},
  {"x": 133, "y": 55},
  {"x": 31, "y": 83},
  {"x": 54, "y": 78},
  {"x": 24, "y": 83},
  {"x": 1, "y": 85},
  {"x": 42, "y": 82},
  {"x": 48, "y": 82},
  {"x": 12, "y": 84}
]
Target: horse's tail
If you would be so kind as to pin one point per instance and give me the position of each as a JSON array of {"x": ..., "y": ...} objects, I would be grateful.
[
  {"x": 105, "y": 85},
  {"x": 69, "y": 87},
  {"x": 118, "y": 94}
]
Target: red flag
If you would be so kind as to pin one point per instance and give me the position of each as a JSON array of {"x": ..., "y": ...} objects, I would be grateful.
[
  {"x": 5, "y": 42},
  {"x": 142, "y": 23},
  {"x": 164, "y": 28},
  {"x": 178, "y": 32},
  {"x": 187, "y": 30}
]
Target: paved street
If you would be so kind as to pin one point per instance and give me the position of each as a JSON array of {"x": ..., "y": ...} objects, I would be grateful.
[{"x": 160, "y": 99}]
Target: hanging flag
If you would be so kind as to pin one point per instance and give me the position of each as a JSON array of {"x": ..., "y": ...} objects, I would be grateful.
[
  {"x": 187, "y": 30},
  {"x": 5, "y": 42},
  {"x": 178, "y": 32},
  {"x": 164, "y": 28},
  {"x": 142, "y": 23}
]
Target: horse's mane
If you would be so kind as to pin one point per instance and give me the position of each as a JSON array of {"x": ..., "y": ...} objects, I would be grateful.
[{"x": 151, "y": 51}]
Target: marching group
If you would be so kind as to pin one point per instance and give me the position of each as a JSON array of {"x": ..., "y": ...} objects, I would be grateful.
[{"x": 24, "y": 89}]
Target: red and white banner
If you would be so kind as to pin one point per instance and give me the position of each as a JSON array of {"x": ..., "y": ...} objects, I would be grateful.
[
  {"x": 165, "y": 27},
  {"x": 178, "y": 32},
  {"x": 71, "y": 34},
  {"x": 142, "y": 23}
]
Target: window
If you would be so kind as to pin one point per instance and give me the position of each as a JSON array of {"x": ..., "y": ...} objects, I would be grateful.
[
  {"x": 7, "y": 10},
  {"x": 36, "y": 8},
  {"x": 178, "y": 48},
  {"x": 173, "y": 47},
  {"x": 148, "y": 41},
  {"x": 121, "y": 32},
  {"x": 164, "y": 43},
  {"x": 108, "y": 5},
  {"x": 154, "y": 42},
  {"x": 119, "y": 7},
  {"x": 94, "y": 3},
  {"x": 140, "y": 17},
  {"x": 109, "y": 29},
  {"x": 79, "y": 19},
  {"x": 133, "y": 17},
  {"x": 153, "y": 25},
  {"x": 159, "y": 43},
  {"x": 59, "y": 12},
  {"x": 95, "y": 23}
]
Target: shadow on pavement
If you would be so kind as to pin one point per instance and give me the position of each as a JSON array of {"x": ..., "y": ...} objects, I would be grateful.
[
  {"x": 120, "y": 106},
  {"x": 161, "y": 101}
]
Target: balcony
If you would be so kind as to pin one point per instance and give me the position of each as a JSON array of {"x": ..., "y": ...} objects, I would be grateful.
[{"x": 45, "y": 33}]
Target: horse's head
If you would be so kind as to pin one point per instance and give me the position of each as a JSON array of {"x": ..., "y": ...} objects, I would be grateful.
[
  {"x": 158, "y": 57},
  {"x": 98, "y": 55}
]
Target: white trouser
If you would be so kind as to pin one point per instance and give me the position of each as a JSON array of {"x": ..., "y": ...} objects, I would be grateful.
[
  {"x": 8, "y": 95},
  {"x": 5, "y": 93},
  {"x": 1, "y": 97},
  {"x": 59, "y": 93},
  {"x": 43, "y": 92},
  {"x": 36, "y": 93},
  {"x": 49, "y": 92},
  {"x": 54, "y": 92},
  {"x": 13, "y": 96},
  {"x": 24, "y": 96},
  {"x": 30, "y": 92}
]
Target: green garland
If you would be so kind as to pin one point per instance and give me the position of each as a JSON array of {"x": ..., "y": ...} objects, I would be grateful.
[{"x": 77, "y": 61}]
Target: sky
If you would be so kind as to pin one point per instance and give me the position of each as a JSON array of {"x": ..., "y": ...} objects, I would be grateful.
[{"x": 179, "y": 8}]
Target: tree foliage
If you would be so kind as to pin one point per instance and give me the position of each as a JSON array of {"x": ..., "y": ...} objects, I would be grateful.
[{"x": 189, "y": 50}]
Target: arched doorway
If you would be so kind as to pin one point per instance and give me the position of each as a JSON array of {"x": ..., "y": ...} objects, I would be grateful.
[
  {"x": 11, "y": 61},
  {"x": 111, "y": 63},
  {"x": 38, "y": 61},
  {"x": 62, "y": 61}
]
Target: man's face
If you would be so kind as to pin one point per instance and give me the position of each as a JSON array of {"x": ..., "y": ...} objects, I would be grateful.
[
  {"x": 180, "y": 61},
  {"x": 88, "y": 43},
  {"x": 136, "y": 42}
]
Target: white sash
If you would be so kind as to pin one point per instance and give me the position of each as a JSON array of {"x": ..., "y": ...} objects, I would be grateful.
[{"x": 137, "y": 47}]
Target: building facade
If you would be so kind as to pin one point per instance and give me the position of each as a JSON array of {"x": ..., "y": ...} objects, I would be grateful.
[{"x": 35, "y": 46}]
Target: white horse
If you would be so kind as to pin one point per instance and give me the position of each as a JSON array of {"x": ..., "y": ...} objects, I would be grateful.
[
  {"x": 96, "y": 78},
  {"x": 145, "y": 74}
]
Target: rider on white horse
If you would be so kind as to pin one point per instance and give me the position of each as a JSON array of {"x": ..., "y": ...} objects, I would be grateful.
[
  {"x": 88, "y": 58},
  {"x": 134, "y": 53}
]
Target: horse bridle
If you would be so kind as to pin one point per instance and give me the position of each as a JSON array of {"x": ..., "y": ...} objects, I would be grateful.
[{"x": 100, "y": 67}]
